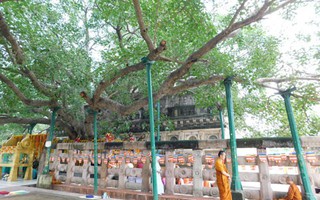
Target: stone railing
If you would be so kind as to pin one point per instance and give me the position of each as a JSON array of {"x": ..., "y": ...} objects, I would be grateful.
[{"x": 72, "y": 163}]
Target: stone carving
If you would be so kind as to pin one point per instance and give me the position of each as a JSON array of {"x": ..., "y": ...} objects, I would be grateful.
[
  {"x": 135, "y": 172},
  {"x": 183, "y": 189},
  {"x": 252, "y": 177},
  {"x": 62, "y": 167},
  {"x": 183, "y": 172},
  {"x": 252, "y": 194},
  {"x": 133, "y": 186},
  {"x": 77, "y": 180},
  {"x": 214, "y": 192},
  {"x": 281, "y": 178},
  {"x": 209, "y": 174}
]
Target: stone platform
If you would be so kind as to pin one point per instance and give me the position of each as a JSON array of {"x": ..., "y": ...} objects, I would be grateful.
[{"x": 124, "y": 194}]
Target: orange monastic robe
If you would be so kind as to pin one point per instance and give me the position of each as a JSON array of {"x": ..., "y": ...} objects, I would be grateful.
[
  {"x": 222, "y": 180},
  {"x": 293, "y": 193}
]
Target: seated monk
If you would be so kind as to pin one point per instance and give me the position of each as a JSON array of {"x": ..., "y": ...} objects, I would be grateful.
[
  {"x": 293, "y": 192},
  {"x": 54, "y": 180}
]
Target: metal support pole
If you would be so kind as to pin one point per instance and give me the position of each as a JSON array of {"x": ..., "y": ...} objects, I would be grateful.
[
  {"x": 297, "y": 145},
  {"x": 31, "y": 127},
  {"x": 151, "y": 118},
  {"x": 236, "y": 183},
  {"x": 221, "y": 120},
  {"x": 158, "y": 129},
  {"x": 95, "y": 153},
  {"x": 49, "y": 140}
]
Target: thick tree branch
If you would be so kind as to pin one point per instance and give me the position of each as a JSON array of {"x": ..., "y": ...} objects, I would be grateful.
[
  {"x": 16, "y": 50},
  {"x": 123, "y": 72},
  {"x": 23, "y": 98},
  {"x": 17, "y": 120},
  {"x": 36, "y": 83},
  {"x": 143, "y": 29},
  {"x": 194, "y": 57},
  {"x": 192, "y": 83},
  {"x": 126, "y": 110}
]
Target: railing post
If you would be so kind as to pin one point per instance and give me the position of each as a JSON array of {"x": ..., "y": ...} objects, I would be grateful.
[
  {"x": 170, "y": 179},
  {"x": 70, "y": 168},
  {"x": 197, "y": 173},
  {"x": 145, "y": 186},
  {"x": 264, "y": 176},
  {"x": 297, "y": 145},
  {"x": 122, "y": 176}
]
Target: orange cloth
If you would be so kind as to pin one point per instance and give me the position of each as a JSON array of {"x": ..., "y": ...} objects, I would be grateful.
[
  {"x": 222, "y": 180},
  {"x": 293, "y": 193}
]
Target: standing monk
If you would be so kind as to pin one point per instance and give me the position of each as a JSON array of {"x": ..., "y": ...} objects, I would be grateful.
[{"x": 223, "y": 177}]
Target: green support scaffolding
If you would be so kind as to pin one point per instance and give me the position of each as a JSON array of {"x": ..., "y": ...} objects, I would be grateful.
[
  {"x": 49, "y": 140},
  {"x": 297, "y": 145},
  {"x": 148, "y": 64},
  {"x": 236, "y": 183},
  {"x": 95, "y": 153}
]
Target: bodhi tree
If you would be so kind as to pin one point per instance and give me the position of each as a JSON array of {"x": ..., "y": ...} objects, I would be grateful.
[{"x": 52, "y": 51}]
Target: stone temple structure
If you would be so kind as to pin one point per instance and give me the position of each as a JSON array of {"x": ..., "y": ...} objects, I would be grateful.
[{"x": 184, "y": 121}]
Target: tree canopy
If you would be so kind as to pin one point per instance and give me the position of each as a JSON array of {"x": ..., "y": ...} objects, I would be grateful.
[{"x": 80, "y": 55}]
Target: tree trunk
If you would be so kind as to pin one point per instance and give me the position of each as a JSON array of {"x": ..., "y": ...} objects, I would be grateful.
[{"x": 88, "y": 125}]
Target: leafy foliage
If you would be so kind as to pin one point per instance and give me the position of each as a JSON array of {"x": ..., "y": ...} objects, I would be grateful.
[{"x": 96, "y": 47}]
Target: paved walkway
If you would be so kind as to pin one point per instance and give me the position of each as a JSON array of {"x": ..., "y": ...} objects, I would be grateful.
[{"x": 33, "y": 193}]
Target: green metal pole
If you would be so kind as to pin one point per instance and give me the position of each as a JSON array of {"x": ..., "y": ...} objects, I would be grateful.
[
  {"x": 95, "y": 153},
  {"x": 236, "y": 183},
  {"x": 31, "y": 127},
  {"x": 158, "y": 129},
  {"x": 297, "y": 146},
  {"x": 221, "y": 121},
  {"x": 151, "y": 118},
  {"x": 53, "y": 121}
]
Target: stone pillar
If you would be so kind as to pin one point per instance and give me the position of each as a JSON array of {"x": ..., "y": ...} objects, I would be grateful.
[
  {"x": 145, "y": 177},
  {"x": 169, "y": 173},
  {"x": 85, "y": 171},
  {"x": 197, "y": 173},
  {"x": 122, "y": 175},
  {"x": 266, "y": 192},
  {"x": 103, "y": 173},
  {"x": 70, "y": 169},
  {"x": 42, "y": 160}
]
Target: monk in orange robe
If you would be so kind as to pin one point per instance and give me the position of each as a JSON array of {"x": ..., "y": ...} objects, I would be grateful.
[
  {"x": 223, "y": 177},
  {"x": 293, "y": 192}
]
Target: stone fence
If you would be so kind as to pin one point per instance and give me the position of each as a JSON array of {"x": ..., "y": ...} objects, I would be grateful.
[{"x": 73, "y": 164}]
